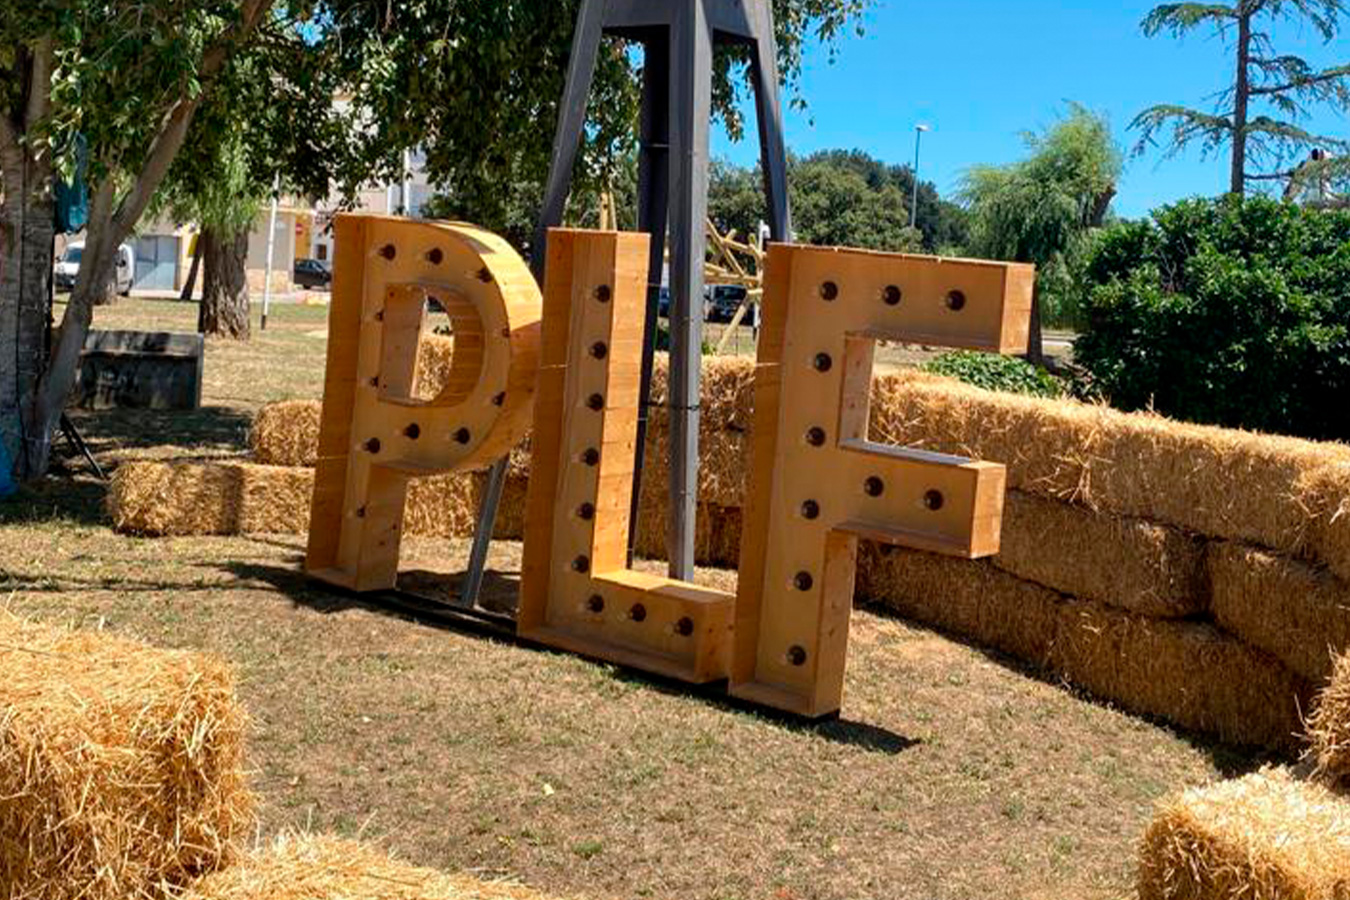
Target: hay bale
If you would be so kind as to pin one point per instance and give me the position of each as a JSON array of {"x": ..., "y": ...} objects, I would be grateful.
[
  {"x": 303, "y": 867},
  {"x": 1280, "y": 492},
  {"x": 1298, "y": 613},
  {"x": 435, "y": 358},
  {"x": 716, "y": 532},
  {"x": 1332, "y": 530},
  {"x": 1267, "y": 836},
  {"x": 971, "y": 599},
  {"x": 286, "y": 433},
  {"x": 1188, "y": 673},
  {"x": 1130, "y": 563},
  {"x": 209, "y": 498},
  {"x": 442, "y": 505},
  {"x": 1329, "y": 725},
  {"x": 121, "y": 766}
]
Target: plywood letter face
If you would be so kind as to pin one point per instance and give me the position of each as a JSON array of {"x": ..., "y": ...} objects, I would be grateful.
[
  {"x": 375, "y": 434},
  {"x": 818, "y": 484},
  {"x": 577, "y": 593}
]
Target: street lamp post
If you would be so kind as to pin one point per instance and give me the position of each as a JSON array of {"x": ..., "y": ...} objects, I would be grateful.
[{"x": 914, "y": 201}]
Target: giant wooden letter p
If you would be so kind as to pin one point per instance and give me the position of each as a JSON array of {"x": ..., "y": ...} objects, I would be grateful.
[
  {"x": 817, "y": 484},
  {"x": 376, "y": 434}
]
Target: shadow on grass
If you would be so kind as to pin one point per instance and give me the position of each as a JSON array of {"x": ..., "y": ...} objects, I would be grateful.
[
  {"x": 214, "y": 427},
  {"x": 60, "y": 499},
  {"x": 499, "y": 593},
  {"x": 1231, "y": 761}
]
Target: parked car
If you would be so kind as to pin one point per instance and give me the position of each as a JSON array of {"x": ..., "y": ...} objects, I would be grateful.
[
  {"x": 723, "y": 301},
  {"x": 67, "y": 269},
  {"x": 312, "y": 273}
]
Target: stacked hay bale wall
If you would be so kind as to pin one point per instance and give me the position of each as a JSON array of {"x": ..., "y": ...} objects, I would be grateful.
[
  {"x": 121, "y": 766},
  {"x": 1230, "y": 546}
]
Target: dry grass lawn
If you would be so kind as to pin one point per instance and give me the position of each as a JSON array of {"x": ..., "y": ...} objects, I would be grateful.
[{"x": 951, "y": 775}]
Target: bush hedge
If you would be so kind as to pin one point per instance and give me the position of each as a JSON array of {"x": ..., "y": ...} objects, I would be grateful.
[
  {"x": 1232, "y": 312},
  {"x": 996, "y": 373}
]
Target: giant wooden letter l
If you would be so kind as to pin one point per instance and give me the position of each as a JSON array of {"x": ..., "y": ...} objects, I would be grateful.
[{"x": 817, "y": 484}]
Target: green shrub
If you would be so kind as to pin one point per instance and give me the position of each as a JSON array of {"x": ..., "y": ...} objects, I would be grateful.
[
  {"x": 1231, "y": 312},
  {"x": 996, "y": 373}
]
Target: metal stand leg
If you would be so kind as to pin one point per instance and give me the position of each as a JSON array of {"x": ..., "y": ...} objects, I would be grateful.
[
  {"x": 482, "y": 535},
  {"x": 772, "y": 155},
  {"x": 678, "y": 36},
  {"x": 692, "y": 108},
  {"x": 653, "y": 210}
]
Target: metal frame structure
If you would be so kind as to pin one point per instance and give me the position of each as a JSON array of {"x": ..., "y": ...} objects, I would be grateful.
[{"x": 678, "y": 37}]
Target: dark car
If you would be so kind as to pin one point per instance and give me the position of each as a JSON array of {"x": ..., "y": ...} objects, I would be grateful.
[
  {"x": 723, "y": 301},
  {"x": 311, "y": 273}
]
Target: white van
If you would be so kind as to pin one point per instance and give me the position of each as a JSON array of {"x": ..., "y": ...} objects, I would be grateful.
[{"x": 68, "y": 268}]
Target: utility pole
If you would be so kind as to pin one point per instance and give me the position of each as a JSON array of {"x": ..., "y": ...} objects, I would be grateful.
[
  {"x": 271, "y": 250},
  {"x": 914, "y": 201}
]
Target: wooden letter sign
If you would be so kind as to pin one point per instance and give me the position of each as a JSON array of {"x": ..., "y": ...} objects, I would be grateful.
[
  {"x": 577, "y": 592},
  {"x": 375, "y": 435},
  {"x": 817, "y": 484}
]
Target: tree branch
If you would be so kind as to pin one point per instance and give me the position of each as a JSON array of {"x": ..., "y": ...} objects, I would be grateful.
[
  {"x": 174, "y": 131},
  {"x": 1271, "y": 176},
  {"x": 1307, "y": 82}
]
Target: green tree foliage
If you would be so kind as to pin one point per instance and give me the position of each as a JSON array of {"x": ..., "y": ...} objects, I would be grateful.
[
  {"x": 1258, "y": 117},
  {"x": 1043, "y": 208},
  {"x": 840, "y": 198},
  {"x": 1232, "y": 312},
  {"x": 127, "y": 78},
  {"x": 476, "y": 84}
]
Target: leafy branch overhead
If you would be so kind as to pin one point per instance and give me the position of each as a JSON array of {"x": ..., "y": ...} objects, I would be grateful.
[{"x": 1260, "y": 115}]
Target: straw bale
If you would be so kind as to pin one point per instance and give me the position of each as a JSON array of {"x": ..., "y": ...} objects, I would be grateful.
[
  {"x": 442, "y": 505},
  {"x": 435, "y": 358},
  {"x": 121, "y": 766},
  {"x": 717, "y": 532},
  {"x": 1297, "y": 612},
  {"x": 1189, "y": 673},
  {"x": 1130, "y": 563},
  {"x": 972, "y": 599},
  {"x": 1267, "y": 836},
  {"x": 724, "y": 460},
  {"x": 305, "y": 867},
  {"x": 196, "y": 498},
  {"x": 1331, "y": 487},
  {"x": 286, "y": 433},
  {"x": 1185, "y": 672},
  {"x": 1329, "y": 725},
  {"x": 1276, "y": 491}
]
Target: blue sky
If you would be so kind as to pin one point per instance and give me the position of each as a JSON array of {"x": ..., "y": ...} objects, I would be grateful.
[{"x": 982, "y": 71}]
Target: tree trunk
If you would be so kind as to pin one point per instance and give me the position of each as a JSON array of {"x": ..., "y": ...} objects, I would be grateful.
[
  {"x": 110, "y": 223},
  {"x": 1035, "y": 338},
  {"x": 27, "y": 229},
  {"x": 224, "y": 309},
  {"x": 191, "y": 284},
  {"x": 1241, "y": 97}
]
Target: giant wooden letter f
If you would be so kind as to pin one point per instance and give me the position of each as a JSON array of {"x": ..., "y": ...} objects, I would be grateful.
[{"x": 817, "y": 484}]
